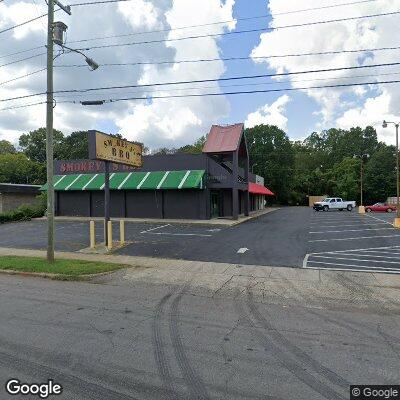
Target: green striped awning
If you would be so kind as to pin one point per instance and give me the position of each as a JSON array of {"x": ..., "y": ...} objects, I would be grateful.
[{"x": 188, "y": 179}]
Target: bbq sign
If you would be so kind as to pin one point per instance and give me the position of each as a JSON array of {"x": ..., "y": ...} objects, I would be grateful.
[{"x": 114, "y": 149}]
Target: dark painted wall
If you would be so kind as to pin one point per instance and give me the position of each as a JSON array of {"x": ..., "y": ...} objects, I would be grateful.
[
  {"x": 144, "y": 204},
  {"x": 73, "y": 204},
  {"x": 190, "y": 204}
]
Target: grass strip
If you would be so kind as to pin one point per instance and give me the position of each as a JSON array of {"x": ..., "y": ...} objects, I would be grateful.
[{"x": 61, "y": 268}]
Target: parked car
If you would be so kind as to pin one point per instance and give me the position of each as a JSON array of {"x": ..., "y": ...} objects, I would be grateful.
[
  {"x": 380, "y": 207},
  {"x": 334, "y": 203}
]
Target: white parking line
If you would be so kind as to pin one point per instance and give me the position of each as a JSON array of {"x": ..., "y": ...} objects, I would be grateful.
[
  {"x": 381, "y": 252},
  {"x": 352, "y": 238},
  {"x": 357, "y": 266},
  {"x": 340, "y": 226},
  {"x": 354, "y": 230},
  {"x": 360, "y": 255},
  {"x": 158, "y": 227},
  {"x": 178, "y": 234},
  {"x": 379, "y": 219},
  {"x": 356, "y": 259},
  {"x": 363, "y": 249},
  {"x": 389, "y": 271}
]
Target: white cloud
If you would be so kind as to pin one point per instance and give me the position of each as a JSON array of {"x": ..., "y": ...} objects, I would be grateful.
[
  {"x": 357, "y": 34},
  {"x": 273, "y": 114},
  {"x": 139, "y": 13},
  {"x": 174, "y": 122}
]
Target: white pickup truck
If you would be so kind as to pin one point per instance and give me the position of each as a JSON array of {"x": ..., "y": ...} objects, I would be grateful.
[{"x": 334, "y": 203}]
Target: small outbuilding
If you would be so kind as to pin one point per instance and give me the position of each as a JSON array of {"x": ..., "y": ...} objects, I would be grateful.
[{"x": 14, "y": 195}]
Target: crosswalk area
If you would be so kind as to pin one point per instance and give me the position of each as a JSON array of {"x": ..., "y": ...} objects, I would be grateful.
[{"x": 349, "y": 241}]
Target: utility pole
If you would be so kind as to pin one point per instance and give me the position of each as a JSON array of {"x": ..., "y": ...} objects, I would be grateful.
[
  {"x": 397, "y": 219},
  {"x": 49, "y": 135},
  {"x": 55, "y": 34}
]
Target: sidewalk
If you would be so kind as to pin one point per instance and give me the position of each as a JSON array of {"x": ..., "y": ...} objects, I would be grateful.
[
  {"x": 215, "y": 221},
  {"x": 217, "y": 275}
]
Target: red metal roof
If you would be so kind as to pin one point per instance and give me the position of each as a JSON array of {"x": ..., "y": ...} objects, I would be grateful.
[
  {"x": 259, "y": 189},
  {"x": 223, "y": 138}
]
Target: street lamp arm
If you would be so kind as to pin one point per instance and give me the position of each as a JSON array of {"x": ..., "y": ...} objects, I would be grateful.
[{"x": 92, "y": 64}]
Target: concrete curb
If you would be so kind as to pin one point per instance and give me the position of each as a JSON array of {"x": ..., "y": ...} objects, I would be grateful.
[
  {"x": 214, "y": 222},
  {"x": 168, "y": 266}
]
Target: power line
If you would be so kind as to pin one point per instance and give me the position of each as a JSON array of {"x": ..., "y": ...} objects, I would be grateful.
[
  {"x": 193, "y": 26},
  {"x": 22, "y": 51},
  {"x": 234, "y": 58},
  {"x": 241, "y": 84},
  {"x": 229, "y": 78},
  {"x": 221, "y": 94},
  {"x": 22, "y": 59},
  {"x": 23, "y": 76},
  {"x": 238, "y": 92},
  {"x": 227, "y": 21},
  {"x": 207, "y": 80},
  {"x": 23, "y": 23},
  {"x": 22, "y": 106},
  {"x": 90, "y": 3},
  {"x": 230, "y": 33}
]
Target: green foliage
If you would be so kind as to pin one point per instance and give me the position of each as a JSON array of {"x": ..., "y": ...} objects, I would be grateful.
[
  {"x": 273, "y": 156},
  {"x": 6, "y": 147},
  {"x": 380, "y": 175},
  {"x": 195, "y": 148},
  {"x": 62, "y": 268},
  {"x": 23, "y": 213},
  {"x": 17, "y": 168},
  {"x": 33, "y": 144},
  {"x": 74, "y": 147}
]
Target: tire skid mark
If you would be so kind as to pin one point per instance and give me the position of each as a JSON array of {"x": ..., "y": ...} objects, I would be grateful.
[
  {"x": 159, "y": 349},
  {"x": 285, "y": 358},
  {"x": 342, "y": 324},
  {"x": 194, "y": 383},
  {"x": 296, "y": 351},
  {"x": 69, "y": 381}
]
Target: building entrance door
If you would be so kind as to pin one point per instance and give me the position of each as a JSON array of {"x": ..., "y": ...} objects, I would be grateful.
[{"x": 215, "y": 205}]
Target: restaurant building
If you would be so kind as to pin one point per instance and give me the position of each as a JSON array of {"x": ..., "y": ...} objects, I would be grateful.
[{"x": 216, "y": 183}]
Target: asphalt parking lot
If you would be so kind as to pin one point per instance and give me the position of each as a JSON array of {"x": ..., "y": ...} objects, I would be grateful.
[
  {"x": 289, "y": 237},
  {"x": 350, "y": 241}
]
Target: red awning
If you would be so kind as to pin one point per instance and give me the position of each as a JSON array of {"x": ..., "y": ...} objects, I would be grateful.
[{"x": 259, "y": 189}]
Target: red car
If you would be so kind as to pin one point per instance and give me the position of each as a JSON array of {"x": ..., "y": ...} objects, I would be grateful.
[{"x": 380, "y": 207}]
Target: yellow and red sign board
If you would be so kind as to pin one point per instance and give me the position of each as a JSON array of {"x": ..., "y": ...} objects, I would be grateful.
[{"x": 114, "y": 149}]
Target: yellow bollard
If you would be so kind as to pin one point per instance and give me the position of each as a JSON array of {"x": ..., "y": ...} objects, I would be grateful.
[
  {"x": 122, "y": 232},
  {"x": 92, "y": 235},
  {"x": 361, "y": 210},
  {"x": 396, "y": 222},
  {"x": 110, "y": 238}
]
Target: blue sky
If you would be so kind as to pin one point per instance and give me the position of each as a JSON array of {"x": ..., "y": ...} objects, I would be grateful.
[
  {"x": 301, "y": 120},
  {"x": 175, "y": 122}
]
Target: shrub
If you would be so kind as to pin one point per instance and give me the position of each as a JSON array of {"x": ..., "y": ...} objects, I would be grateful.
[{"x": 25, "y": 212}]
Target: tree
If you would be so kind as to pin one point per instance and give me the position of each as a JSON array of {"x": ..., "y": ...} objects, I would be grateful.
[
  {"x": 74, "y": 147},
  {"x": 272, "y": 153},
  {"x": 345, "y": 179},
  {"x": 33, "y": 144},
  {"x": 380, "y": 175},
  {"x": 195, "y": 148},
  {"x": 6, "y": 147},
  {"x": 18, "y": 168}
]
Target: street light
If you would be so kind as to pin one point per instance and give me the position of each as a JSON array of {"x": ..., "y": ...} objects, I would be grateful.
[
  {"x": 55, "y": 34},
  {"x": 361, "y": 209},
  {"x": 397, "y": 219}
]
